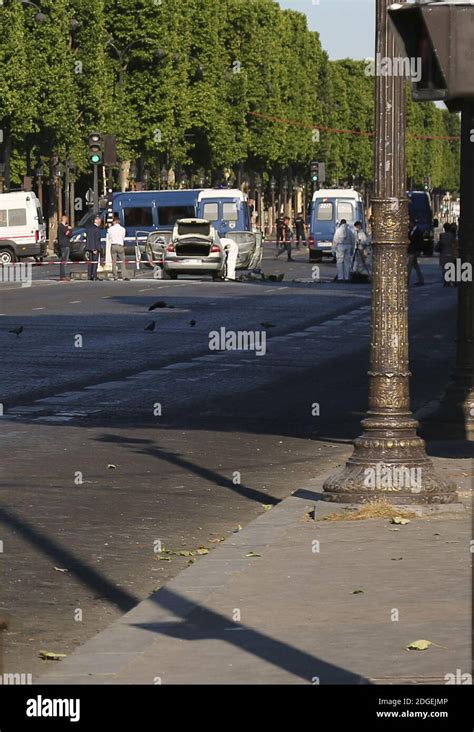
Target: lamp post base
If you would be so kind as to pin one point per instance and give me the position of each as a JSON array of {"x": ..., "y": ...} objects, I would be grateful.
[
  {"x": 394, "y": 468},
  {"x": 454, "y": 418}
]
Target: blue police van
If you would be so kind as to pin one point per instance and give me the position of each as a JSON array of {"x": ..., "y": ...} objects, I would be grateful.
[
  {"x": 328, "y": 207},
  {"x": 145, "y": 212},
  {"x": 229, "y": 212},
  {"x": 421, "y": 211},
  {"x": 141, "y": 213}
]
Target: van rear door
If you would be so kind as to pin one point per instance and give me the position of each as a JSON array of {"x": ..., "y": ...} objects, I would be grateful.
[
  {"x": 323, "y": 222},
  {"x": 226, "y": 214}
]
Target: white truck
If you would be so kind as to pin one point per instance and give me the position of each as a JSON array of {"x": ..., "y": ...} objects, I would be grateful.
[{"x": 22, "y": 227}]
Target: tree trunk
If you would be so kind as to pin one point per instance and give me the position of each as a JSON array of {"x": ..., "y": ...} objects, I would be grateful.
[{"x": 124, "y": 172}]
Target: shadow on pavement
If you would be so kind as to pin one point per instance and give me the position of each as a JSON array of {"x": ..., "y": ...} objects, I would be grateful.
[
  {"x": 204, "y": 624},
  {"x": 88, "y": 576}
]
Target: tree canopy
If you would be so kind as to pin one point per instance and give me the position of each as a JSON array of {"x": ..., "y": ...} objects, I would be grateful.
[{"x": 198, "y": 85}]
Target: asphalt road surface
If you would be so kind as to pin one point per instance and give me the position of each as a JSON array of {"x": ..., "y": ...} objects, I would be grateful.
[{"x": 117, "y": 441}]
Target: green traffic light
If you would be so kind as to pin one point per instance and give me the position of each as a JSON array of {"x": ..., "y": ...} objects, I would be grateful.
[{"x": 95, "y": 159}]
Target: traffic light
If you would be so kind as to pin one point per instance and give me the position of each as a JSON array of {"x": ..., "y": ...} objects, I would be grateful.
[
  {"x": 438, "y": 36},
  {"x": 427, "y": 183},
  {"x": 321, "y": 172},
  {"x": 110, "y": 150},
  {"x": 96, "y": 148},
  {"x": 318, "y": 172}
]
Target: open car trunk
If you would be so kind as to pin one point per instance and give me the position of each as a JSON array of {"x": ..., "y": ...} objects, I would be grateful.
[{"x": 193, "y": 248}]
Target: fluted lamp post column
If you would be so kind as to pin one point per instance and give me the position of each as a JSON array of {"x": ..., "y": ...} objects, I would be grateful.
[{"x": 389, "y": 459}]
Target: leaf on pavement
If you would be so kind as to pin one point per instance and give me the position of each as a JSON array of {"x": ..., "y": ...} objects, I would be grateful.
[
  {"x": 59, "y": 569},
  {"x": 217, "y": 540},
  {"x": 253, "y": 554},
  {"x": 399, "y": 520},
  {"x": 419, "y": 645},
  {"x": 266, "y": 506},
  {"x": 164, "y": 559},
  {"x": 50, "y": 656},
  {"x": 237, "y": 529},
  {"x": 184, "y": 553},
  {"x": 111, "y": 466},
  {"x": 202, "y": 550},
  {"x": 358, "y": 592}
]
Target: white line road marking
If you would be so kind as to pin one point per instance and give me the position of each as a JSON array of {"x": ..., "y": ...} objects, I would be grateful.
[
  {"x": 38, "y": 308},
  {"x": 75, "y": 302},
  {"x": 147, "y": 289}
]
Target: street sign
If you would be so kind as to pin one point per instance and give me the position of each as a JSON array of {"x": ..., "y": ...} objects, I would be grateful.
[{"x": 89, "y": 197}]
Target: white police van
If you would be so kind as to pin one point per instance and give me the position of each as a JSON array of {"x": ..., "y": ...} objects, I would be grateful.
[{"x": 22, "y": 227}]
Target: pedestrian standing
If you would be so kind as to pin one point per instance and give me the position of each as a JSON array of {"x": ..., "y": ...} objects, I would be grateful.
[
  {"x": 300, "y": 230},
  {"x": 414, "y": 250},
  {"x": 116, "y": 239},
  {"x": 445, "y": 248},
  {"x": 286, "y": 238},
  {"x": 362, "y": 259},
  {"x": 279, "y": 227},
  {"x": 343, "y": 246},
  {"x": 64, "y": 236},
  {"x": 94, "y": 248}
]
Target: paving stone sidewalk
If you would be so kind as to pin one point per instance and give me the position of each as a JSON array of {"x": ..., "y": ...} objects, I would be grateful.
[{"x": 292, "y": 600}]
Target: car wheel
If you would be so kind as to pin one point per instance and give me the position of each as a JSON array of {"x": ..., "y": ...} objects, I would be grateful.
[
  {"x": 79, "y": 255},
  {"x": 7, "y": 256},
  {"x": 315, "y": 256}
]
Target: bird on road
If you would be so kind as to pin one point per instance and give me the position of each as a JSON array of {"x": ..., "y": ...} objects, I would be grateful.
[
  {"x": 17, "y": 331},
  {"x": 192, "y": 323},
  {"x": 159, "y": 304},
  {"x": 151, "y": 326},
  {"x": 267, "y": 325}
]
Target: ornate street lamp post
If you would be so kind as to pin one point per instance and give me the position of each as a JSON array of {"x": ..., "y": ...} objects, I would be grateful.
[{"x": 389, "y": 460}]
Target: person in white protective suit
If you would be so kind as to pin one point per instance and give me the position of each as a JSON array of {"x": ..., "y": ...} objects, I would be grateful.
[
  {"x": 362, "y": 263},
  {"x": 232, "y": 252},
  {"x": 343, "y": 246}
]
